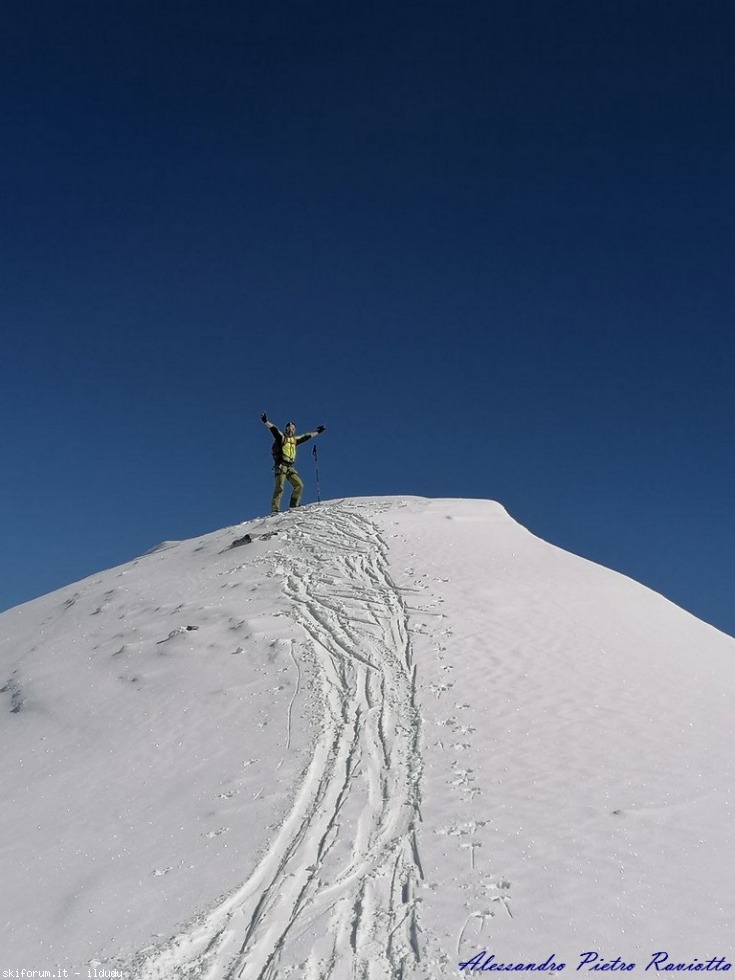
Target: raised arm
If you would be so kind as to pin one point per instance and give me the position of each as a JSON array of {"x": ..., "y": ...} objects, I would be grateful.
[
  {"x": 310, "y": 435},
  {"x": 275, "y": 431}
]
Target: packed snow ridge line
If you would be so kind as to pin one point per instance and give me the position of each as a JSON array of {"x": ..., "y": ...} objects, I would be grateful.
[{"x": 345, "y": 862}]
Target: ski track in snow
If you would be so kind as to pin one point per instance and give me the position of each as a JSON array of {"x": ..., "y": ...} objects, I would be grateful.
[{"x": 334, "y": 896}]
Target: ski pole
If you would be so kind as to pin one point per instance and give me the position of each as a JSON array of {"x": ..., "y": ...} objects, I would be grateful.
[{"x": 316, "y": 467}]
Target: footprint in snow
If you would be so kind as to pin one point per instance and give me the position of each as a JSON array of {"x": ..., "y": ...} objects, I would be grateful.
[{"x": 215, "y": 833}]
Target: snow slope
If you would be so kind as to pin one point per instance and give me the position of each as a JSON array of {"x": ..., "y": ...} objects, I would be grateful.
[{"x": 384, "y": 736}]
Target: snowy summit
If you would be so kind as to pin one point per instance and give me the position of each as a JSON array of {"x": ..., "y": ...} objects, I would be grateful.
[{"x": 373, "y": 738}]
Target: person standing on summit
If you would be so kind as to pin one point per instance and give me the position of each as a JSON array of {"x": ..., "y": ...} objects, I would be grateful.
[{"x": 284, "y": 457}]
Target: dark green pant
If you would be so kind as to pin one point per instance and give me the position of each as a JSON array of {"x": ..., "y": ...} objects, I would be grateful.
[{"x": 283, "y": 473}]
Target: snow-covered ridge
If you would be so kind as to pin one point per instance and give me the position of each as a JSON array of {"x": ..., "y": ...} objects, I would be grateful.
[{"x": 371, "y": 738}]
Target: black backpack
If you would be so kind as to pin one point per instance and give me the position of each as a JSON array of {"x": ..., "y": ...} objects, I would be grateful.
[{"x": 276, "y": 451}]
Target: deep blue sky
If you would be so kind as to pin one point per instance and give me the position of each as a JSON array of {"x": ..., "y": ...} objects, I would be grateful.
[{"x": 489, "y": 244}]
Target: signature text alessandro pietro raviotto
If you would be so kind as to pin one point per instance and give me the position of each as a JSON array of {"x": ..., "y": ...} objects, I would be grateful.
[{"x": 486, "y": 962}]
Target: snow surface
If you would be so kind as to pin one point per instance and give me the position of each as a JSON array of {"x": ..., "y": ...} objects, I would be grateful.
[{"x": 383, "y": 736}]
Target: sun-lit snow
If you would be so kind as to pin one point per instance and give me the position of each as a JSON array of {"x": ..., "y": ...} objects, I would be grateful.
[{"x": 373, "y": 739}]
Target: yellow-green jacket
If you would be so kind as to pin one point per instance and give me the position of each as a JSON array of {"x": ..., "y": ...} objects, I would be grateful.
[{"x": 284, "y": 447}]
